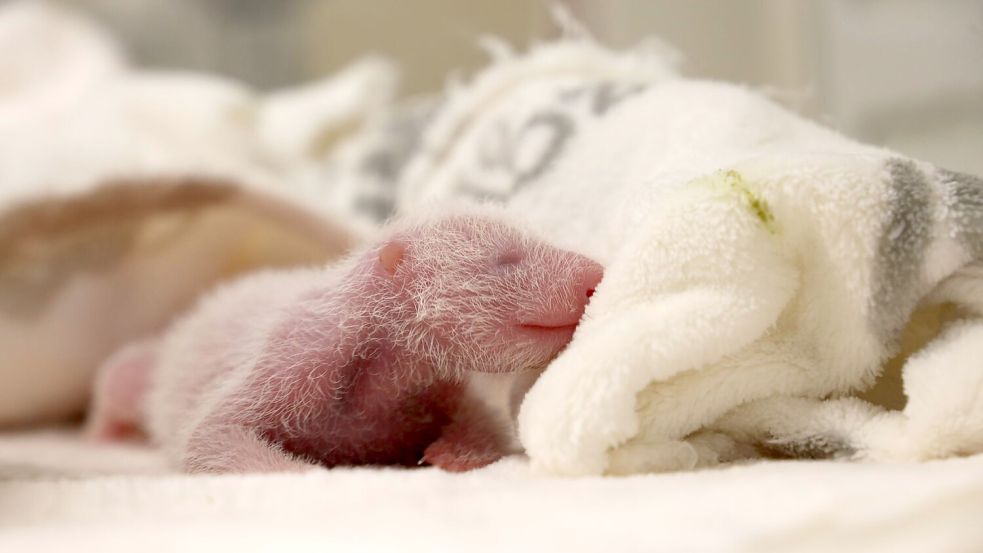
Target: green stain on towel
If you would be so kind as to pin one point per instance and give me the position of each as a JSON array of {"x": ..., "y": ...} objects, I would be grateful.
[{"x": 732, "y": 183}]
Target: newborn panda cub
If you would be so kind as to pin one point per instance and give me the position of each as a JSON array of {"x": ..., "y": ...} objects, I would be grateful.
[{"x": 363, "y": 362}]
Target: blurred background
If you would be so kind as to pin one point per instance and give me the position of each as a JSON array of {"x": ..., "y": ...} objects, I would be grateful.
[{"x": 907, "y": 74}]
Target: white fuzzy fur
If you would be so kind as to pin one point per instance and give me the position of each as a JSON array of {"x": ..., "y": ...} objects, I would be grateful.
[{"x": 744, "y": 253}]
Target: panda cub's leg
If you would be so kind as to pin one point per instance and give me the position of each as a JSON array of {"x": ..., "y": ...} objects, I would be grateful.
[{"x": 120, "y": 389}]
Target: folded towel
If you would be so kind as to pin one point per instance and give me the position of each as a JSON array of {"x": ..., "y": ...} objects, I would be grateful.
[{"x": 750, "y": 255}]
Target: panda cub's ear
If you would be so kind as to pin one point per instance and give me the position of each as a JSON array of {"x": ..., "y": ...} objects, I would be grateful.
[{"x": 391, "y": 255}]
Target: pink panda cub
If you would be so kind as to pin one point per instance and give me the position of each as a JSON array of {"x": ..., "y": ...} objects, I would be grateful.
[{"x": 363, "y": 362}]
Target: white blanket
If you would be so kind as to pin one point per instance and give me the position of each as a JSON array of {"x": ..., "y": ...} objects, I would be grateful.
[{"x": 72, "y": 496}]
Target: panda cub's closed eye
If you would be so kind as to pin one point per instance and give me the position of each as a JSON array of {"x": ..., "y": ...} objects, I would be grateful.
[{"x": 508, "y": 258}]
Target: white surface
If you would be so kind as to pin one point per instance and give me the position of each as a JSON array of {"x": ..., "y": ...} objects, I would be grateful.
[{"x": 74, "y": 496}]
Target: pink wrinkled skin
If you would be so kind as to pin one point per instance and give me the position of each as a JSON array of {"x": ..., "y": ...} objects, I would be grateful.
[{"x": 359, "y": 363}]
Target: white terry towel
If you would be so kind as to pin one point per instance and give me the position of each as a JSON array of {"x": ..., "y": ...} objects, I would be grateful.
[{"x": 756, "y": 265}]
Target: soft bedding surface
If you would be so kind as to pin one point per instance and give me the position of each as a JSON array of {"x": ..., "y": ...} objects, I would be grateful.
[{"x": 62, "y": 494}]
